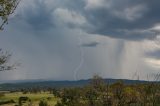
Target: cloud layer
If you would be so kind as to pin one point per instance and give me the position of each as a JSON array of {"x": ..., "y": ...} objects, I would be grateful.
[
  {"x": 117, "y": 37},
  {"x": 132, "y": 20}
]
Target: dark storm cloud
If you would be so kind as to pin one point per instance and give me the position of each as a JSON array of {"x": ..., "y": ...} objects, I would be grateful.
[
  {"x": 91, "y": 44},
  {"x": 39, "y": 14},
  {"x": 44, "y": 35},
  {"x": 39, "y": 18},
  {"x": 125, "y": 19}
]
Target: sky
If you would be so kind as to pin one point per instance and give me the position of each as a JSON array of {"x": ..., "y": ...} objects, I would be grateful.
[{"x": 76, "y": 39}]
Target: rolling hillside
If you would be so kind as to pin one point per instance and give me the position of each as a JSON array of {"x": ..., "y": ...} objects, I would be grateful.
[{"x": 56, "y": 84}]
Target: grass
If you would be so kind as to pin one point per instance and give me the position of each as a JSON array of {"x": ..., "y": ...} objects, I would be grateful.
[{"x": 35, "y": 98}]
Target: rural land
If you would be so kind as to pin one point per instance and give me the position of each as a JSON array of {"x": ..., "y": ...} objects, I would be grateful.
[{"x": 93, "y": 92}]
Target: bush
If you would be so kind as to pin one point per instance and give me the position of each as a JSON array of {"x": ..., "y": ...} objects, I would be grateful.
[
  {"x": 22, "y": 99},
  {"x": 7, "y": 102},
  {"x": 43, "y": 103},
  {"x": 1, "y": 94}
]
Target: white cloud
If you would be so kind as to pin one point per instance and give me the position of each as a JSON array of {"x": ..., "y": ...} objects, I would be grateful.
[
  {"x": 131, "y": 13},
  {"x": 155, "y": 63},
  {"x": 94, "y": 4},
  {"x": 65, "y": 16},
  {"x": 156, "y": 29}
]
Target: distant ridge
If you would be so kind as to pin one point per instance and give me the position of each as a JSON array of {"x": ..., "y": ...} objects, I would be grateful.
[{"x": 13, "y": 85}]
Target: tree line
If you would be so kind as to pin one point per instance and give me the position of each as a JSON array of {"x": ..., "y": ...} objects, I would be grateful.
[{"x": 100, "y": 93}]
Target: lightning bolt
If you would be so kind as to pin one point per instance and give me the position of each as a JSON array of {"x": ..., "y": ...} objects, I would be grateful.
[{"x": 81, "y": 57}]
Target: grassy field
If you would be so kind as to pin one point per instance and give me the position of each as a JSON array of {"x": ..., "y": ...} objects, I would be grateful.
[{"x": 35, "y": 98}]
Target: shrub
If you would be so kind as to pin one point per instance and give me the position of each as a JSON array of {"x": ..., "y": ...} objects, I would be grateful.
[
  {"x": 7, "y": 102},
  {"x": 43, "y": 103},
  {"x": 1, "y": 94}
]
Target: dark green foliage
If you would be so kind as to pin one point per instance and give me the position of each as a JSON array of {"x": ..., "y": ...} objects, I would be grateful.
[
  {"x": 6, "y": 102},
  {"x": 59, "y": 104},
  {"x": 98, "y": 93},
  {"x": 56, "y": 93},
  {"x": 22, "y": 99},
  {"x": 7, "y": 7},
  {"x": 97, "y": 83},
  {"x": 1, "y": 94},
  {"x": 43, "y": 103},
  {"x": 70, "y": 97},
  {"x": 4, "y": 59},
  {"x": 118, "y": 93}
]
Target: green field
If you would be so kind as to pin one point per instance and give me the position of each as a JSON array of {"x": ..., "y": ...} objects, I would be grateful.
[{"x": 35, "y": 98}]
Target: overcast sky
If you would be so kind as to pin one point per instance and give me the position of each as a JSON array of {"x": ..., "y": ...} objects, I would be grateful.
[{"x": 75, "y": 39}]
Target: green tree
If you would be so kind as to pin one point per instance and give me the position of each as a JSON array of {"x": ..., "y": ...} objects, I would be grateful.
[
  {"x": 95, "y": 90},
  {"x": 7, "y": 8},
  {"x": 131, "y": 95},
  {"x": 4, "y": 61},
  {"x": 118, "y": 92},
  {"x": 70, "y": 97},
  {"x": 98, "y": 83},
  {"x": 43, "y": 103},
  {"x": 91, "y": 95}
]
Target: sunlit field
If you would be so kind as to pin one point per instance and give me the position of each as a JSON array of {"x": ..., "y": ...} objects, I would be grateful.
[{"x": 35, "y": 98}]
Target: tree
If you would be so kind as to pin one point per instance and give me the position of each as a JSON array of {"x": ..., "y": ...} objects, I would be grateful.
[
  {"x": 43, "y": 103},
  {"x": 98, "y": 83},
  {"x": 118, "y": 91},
  {"x": 4, "y": 59},
  {"x": 22, "y": 99},
  {"x": 91, "y": 95},
  {"x": 7, "y": 8},
  {"x": 131, "y": 95},
  {"x": 70, "y": 97},
  {"x": 95, "y": 90}
]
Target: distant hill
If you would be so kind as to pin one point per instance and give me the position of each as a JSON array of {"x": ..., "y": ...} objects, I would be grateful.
[{"x": 13, "y": 85}]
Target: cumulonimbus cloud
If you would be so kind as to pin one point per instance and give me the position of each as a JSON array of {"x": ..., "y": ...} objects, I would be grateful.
[
  {"x": 124, "y": 19},
  {"x": 45, "y": 33}
]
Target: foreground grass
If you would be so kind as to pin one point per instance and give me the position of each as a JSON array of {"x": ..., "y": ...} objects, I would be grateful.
[{"x": 35, "y": 98}]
